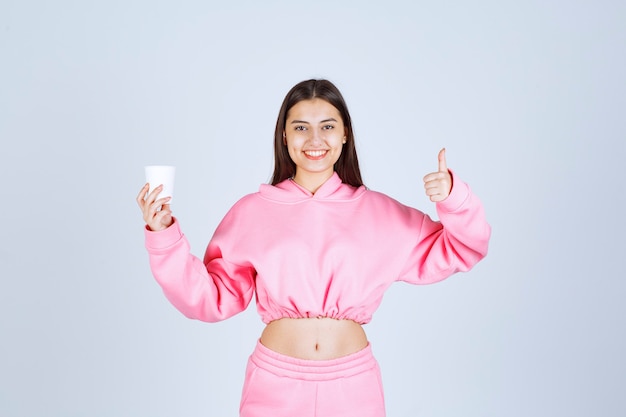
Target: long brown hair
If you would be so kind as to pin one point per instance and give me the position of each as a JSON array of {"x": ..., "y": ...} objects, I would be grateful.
[{"x": 347, "y": 166}]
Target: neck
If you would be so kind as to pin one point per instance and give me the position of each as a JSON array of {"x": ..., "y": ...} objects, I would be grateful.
[{"x": 312, "y": 182}]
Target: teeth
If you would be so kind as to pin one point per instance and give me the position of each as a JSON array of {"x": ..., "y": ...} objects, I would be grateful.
[{"x": 315, "y": 153}]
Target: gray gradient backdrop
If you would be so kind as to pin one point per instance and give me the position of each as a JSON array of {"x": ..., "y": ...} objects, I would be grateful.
[{"x": 527, "y": 97}]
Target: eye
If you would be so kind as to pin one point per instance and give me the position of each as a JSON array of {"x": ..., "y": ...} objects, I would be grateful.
[
  {"x": 299, "y": 128},
  {"x": 328, "y": 127}
]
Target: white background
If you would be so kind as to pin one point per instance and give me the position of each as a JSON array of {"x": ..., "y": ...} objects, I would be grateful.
[{"x": 528, "y": 97}]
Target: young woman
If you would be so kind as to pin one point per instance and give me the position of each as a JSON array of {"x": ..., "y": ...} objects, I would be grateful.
[{"x": 319, "y": 250}]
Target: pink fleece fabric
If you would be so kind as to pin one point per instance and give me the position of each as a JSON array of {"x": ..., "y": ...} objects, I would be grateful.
[
  {"x": 328, "y": 254},
  {"x": 282, "y": 386}
]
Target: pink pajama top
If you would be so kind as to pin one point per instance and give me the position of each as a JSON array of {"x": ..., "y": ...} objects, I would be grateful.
[{"x": 328, "y": 254}]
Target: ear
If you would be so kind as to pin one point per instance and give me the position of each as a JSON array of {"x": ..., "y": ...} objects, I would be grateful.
[{"x": 284, "y": 138}]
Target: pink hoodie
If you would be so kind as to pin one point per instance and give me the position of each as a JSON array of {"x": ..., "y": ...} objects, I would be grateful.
[{"x": 328, "y": 254}]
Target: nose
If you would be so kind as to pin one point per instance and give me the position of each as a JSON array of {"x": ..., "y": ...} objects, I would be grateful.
[{"x": 316, "y": 136}]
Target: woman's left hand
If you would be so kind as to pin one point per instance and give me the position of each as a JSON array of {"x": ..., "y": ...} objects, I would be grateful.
[{"x": 438, "y": 184}]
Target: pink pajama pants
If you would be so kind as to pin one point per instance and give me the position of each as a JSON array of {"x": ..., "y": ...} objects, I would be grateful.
[{"x": 281, "y": 386}]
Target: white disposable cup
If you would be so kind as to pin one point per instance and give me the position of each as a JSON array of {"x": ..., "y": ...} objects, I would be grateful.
[{"x": 161, "y": 175}]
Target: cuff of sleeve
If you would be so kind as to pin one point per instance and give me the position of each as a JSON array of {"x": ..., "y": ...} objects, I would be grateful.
[
  {"x": 458, "y": 195},
  {"x": 163, "y": 238}
]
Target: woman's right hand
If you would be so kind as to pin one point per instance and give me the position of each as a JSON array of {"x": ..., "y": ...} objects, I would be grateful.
[{"x": 155, "y": 219}]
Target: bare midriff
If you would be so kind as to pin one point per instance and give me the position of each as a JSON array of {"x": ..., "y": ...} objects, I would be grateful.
[{"x": 314, "y": 338}]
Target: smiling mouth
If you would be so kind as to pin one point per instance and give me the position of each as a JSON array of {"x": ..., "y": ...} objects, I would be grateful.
[{"x": 316, "y": 154}]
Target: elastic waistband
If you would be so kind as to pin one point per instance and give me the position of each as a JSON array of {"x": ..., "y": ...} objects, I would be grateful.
[{"x": 313, "y": 370}]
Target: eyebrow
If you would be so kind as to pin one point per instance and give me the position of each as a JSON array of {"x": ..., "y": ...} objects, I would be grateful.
[{"x": 323, "y": 121}]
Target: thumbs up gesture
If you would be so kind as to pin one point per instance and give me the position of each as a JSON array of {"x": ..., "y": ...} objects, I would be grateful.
[{"x": 438, "y": 184}]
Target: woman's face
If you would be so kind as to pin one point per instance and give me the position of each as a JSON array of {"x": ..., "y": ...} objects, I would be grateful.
[{"x": 314, "y": 135}]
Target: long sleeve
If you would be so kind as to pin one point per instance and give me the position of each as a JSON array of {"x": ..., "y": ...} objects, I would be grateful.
[
  {"x": 209, "y": 290},
  {"x": 455, "y": 243}
]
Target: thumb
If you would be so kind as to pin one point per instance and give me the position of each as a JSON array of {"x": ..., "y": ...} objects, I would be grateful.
[{"x": 443, "y": 167}]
